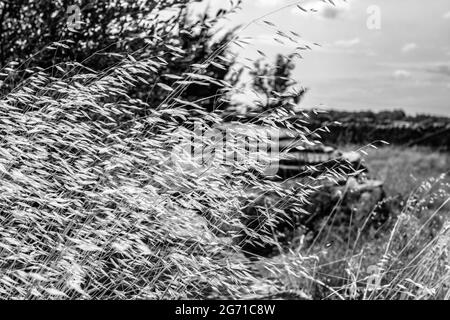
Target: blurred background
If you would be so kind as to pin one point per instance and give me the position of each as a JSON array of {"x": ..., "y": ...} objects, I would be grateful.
[{"x": 374, "y": 54}]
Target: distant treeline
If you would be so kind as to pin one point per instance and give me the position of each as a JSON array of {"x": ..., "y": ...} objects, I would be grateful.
[{"x": 394, "y": 127}]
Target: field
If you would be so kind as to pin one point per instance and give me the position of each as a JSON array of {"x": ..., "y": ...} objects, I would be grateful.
[
  {"x": 404, "y": 169},
  {"x": 417, "y": 193}
]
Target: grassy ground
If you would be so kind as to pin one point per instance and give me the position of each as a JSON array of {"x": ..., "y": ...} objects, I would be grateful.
[
  {"x": 404, "y": 169},
  {"x": 406, "y": 256},
  {"x": 417, "y": 183}
]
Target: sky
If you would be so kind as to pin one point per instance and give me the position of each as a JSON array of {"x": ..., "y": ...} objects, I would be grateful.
[{"x": 374, "y": 54}]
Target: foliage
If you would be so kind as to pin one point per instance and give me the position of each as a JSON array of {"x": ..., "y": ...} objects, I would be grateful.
[
  {"x": 274, "y": 82},
  {"x": 108, "y": 29},
  {"x": 363, "y": 127}
]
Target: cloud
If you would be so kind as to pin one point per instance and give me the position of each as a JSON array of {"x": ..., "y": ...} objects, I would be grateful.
[
  {"x": 440, "y": 68},
  {"x": 401, "y": 74},
  {"x": 347, "y": 43},
  {"x": 446, "y": 15},
  {"x": 409, "y": 47}
]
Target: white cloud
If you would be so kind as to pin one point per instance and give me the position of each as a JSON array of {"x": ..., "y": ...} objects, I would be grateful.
[
  {"x": 409, "y": 47},
  {"x": 401, "y": 74},
  {"x": 436, "y": 68},
  {"x": 347, "y": 43},
  {"x": 446, "y": 15}
]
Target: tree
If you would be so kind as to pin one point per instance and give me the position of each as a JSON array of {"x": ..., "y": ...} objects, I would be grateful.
[
  {"x": 275, "y": 82},
  {"x": 107, "y": 31}
]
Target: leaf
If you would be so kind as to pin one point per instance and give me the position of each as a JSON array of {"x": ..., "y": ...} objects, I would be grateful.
[
  {"x": 175, "y": 49},
  {"x": 88, "y": 247},
  {"x": 164, "y": 87},
  {"x": 269, "y": 23},
  {"x": 56, "y": 292}
]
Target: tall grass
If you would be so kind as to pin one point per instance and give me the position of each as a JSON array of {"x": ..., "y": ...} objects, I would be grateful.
[
  {"x": 95, "y": 206},
  {"x": 406, "y": 258}
]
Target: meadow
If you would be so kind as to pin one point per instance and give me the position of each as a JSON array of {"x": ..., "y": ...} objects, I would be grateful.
[
  {"x": 417, "y": 185},
  {"x": 404, "y": 168}
]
